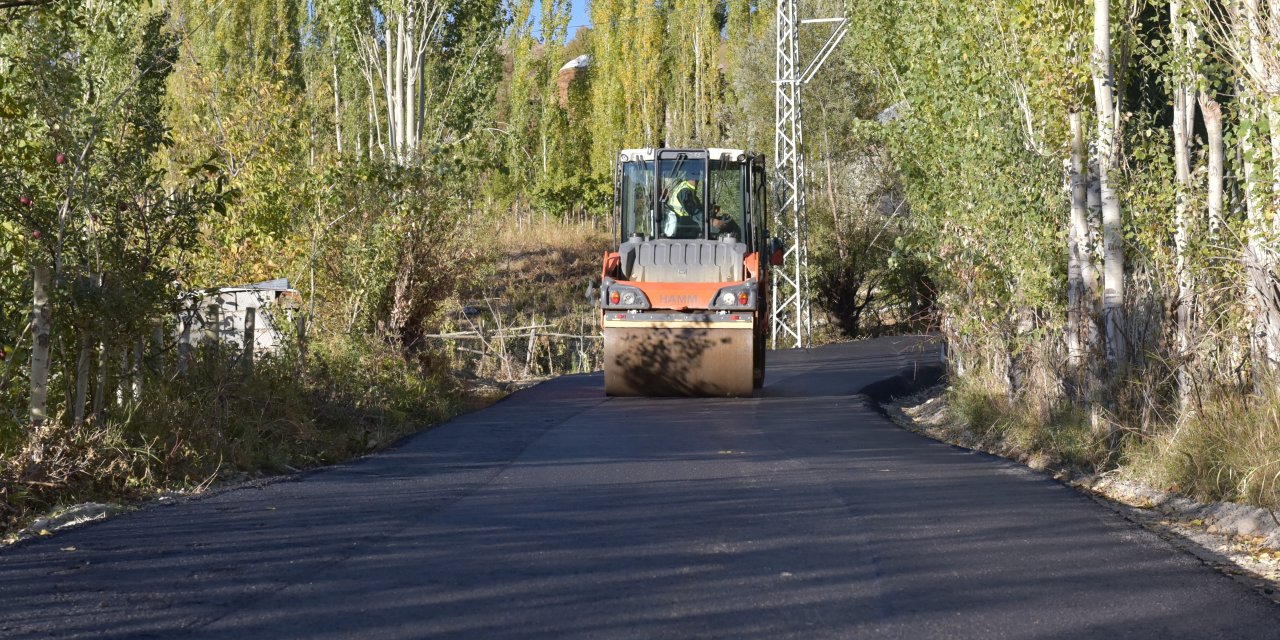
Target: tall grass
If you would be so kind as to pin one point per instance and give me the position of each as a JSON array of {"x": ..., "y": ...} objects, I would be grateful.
[
  {"x": 353, "y": 396},
  {"x": 1025, "y": 424},
  {"x": 1228, "y": 450},
  {"x": 536, "y": 276}
]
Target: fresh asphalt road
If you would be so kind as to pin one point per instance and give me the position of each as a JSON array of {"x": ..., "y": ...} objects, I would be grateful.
[{"x": 558, "y": 513}]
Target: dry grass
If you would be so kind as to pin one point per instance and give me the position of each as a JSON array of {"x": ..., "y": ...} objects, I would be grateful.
[
  {"x": 533, "y": 278},
  {"x": 1029, "y": 425},
  {"x": 1227, "y": 450},
  {"x": 219, "y": 422},
  {"x": 1230, "y": 450}
]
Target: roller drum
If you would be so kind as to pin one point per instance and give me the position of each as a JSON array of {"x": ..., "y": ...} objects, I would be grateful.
[{"x": 683, "y": 360}]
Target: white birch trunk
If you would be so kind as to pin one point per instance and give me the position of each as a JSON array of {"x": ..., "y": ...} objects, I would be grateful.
[
  {"x": 337, "y": 93},
  {"x": 1112, "y": 222},
  {"x": 1216, "y": 152},
  {"x": 1259, "y": 258},
  {"x": 410, "y": 94},
  {"x": 41, "y": 317},
  {"x": 401, "y": 121},
  {"x": 1183, "y": 115},
  {"x": 388, "y": 75},
  {"x": 1077, "y": 250}
]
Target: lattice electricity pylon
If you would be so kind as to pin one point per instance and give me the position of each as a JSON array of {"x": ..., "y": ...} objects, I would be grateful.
[{"x": 792, "y": 319}]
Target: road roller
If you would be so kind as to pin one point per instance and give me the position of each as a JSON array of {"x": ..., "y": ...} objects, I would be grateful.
[{"x": 684, "y": 292}]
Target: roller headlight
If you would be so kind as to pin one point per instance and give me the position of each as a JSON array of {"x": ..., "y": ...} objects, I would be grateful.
[
  {"x": 622, "y": 296},
  {"x": 742, "y": 296}
]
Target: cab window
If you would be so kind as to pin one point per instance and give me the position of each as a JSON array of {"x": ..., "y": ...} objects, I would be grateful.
[
  {"x": 682, "y": 211},
  {"x": 635, "y": 191},
  {"x": 728, "y": 201}
]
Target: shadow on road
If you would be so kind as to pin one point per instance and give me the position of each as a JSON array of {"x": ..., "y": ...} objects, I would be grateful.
[{"x": 801, "y": 513}]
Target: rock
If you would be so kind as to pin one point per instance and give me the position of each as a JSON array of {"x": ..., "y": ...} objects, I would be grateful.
[
  {"x": 71, "y": 517},
  {"x": 1272, "y": 541},
  {"x": 1248, "y": 525}
]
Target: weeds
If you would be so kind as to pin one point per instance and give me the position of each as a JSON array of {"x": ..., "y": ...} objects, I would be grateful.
[
  {"x": 1229, "y": 450},
  {"x": 1031, "y": 424},
  {"x": 531, "y": 317},
  {"x": 354, "y": 397}
]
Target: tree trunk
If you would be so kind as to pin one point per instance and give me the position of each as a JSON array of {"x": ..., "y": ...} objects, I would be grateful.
[
  {"x": 184, "y": 344},
  {"x": 136, "y": 390},
  {"x": 1078, "y": 258},
  {"x": 250, "y": 338},
  {"x": 1258, "y": 259},
  {"x": 1212, "y": 113},
  {"x": 1112, "y": 222},
  {"x": 100, "y": 384},
  {"x": 1183, "y": 115},
  {"x": 41, "y": 317},
  {"x": 337, "y": 93},
  {"x": 388, "y": 75},
  {"x": 404, "y": 80}
]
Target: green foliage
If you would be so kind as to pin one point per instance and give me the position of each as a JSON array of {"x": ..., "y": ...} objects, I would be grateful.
[{"x": 80, "y": 193}]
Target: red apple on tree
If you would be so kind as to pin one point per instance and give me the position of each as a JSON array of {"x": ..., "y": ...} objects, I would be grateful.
[
  {"x": 61, "y": 158},
  {"x": 35, "y": 235},
  {"x": 25, "y": 200}
]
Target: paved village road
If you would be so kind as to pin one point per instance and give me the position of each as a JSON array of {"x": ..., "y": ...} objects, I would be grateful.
[{"x": 558, "y": 513}]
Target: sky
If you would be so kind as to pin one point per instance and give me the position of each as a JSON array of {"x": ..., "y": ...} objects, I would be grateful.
[{"x": 579, "y": 18}]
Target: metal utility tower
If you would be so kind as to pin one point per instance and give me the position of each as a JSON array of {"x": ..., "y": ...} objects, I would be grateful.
[{"x": 792, "y": 319}]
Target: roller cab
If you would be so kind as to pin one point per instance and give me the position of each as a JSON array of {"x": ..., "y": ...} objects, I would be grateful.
[{"x": 683, "y": 294}]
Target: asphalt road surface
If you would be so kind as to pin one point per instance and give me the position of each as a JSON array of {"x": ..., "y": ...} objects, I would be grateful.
[{"x": 558, "y": 513}]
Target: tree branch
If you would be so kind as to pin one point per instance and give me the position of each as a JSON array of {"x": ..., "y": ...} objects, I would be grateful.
[{"x": 18, "y": 4}]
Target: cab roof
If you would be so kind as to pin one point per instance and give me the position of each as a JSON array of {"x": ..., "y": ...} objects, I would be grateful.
[{"x": 716, "y": 153}]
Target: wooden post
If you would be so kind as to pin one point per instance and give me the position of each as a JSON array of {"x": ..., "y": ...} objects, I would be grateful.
[
  {"x": 250, "y": 314},
  {"x": 301, "y": 322},
  {"x": 136, "y": 394},
  {"x": 82, "y": 376},
  {"x": 551, "y": 363},
  {"x": 40, "y": 323},
  {"x": 533, "y": 338},
  {"x": 184, "y": 344},
  {"x": 100, "y": 385}
]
